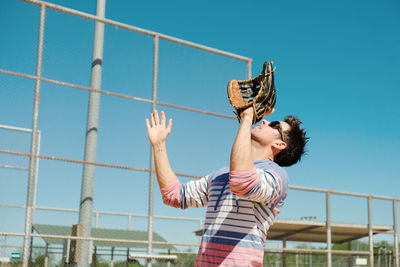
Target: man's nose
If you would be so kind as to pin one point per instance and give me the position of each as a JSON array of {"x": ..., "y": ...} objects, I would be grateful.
[{"x": 265, "y": 122}]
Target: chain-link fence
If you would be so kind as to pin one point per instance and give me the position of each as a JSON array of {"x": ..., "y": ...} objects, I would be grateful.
[{"x": 47, "y": 211}]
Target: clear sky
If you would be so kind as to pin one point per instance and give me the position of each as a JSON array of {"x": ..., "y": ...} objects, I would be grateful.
[{"x": 337, "y": 69}]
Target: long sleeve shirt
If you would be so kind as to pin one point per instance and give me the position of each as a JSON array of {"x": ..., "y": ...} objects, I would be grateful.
[{"x": 241, "y": 206}]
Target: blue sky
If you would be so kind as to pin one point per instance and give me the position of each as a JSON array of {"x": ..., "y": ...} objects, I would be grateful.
[{"x": 337, "y": 69}]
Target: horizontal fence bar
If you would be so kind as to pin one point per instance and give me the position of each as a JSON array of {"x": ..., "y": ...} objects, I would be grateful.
[
  {"x": 176, "y": 218},
  {"x": 303, "y": 250},
  {"x": 12, "y": 206},
  {"x": 269, "y": 249},
  {"x": 19, "y": 74},
  {"x": 138, "y": 30},
  {"x": 143, "y": 215},
  {"x": 13, "y": 167},
  {"x": 314, "y": 251},
  {"x": 319, "y": 190},
  {"x": 196, "y": 110},
  {"x": 53, "y": 248},
  {"x": 10, "y": 246},
  {"x": 103, "y": 212},
  {"x": 57, "y": 249},
  {"x": 101, "y": 239},
  {"x": 13, "y": 128},
  {"x": 89, "y": 162},
  {"x": 157, "y": 257},
  {"x": 294, "y": 187},
  {"x": 74, "y": 160},
  {"x": 116, "y": 94}
]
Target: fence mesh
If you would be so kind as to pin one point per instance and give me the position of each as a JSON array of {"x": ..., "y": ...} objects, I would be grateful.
[{"x": 122, "y": 198}]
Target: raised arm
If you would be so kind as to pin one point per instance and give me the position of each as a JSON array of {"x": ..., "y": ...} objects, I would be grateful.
[
  {"x": 241, "y": 155},
  {"x": 192, "y": 194},
  {"x": 158, "y": 133},
  {"x": 245, "y": 179}
]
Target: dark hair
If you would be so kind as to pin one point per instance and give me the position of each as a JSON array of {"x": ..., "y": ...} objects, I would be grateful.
[{"x": 295, "y": 139}]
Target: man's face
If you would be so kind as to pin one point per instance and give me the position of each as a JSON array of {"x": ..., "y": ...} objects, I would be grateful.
[{"x": 265, "y": 134}]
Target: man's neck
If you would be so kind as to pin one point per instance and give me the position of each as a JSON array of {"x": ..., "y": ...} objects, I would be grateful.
[{"x": 261, "y": 152}]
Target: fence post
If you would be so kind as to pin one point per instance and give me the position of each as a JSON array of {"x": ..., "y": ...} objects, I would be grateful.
[
  {"x": 328, "y": 229},
  {"x": 284, "y": 254},
  {"x": 86, "y": 201},
  {"x": 370, "y": 233},
  {"x": 34, "y": 138},
  {"x": 395, "y": 235},
  {"x": 151, "y": 176}
]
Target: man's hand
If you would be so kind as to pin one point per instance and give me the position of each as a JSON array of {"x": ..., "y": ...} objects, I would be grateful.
[
  {"x": 247, "y": 114},
  {"x": 157, "y": 132}
]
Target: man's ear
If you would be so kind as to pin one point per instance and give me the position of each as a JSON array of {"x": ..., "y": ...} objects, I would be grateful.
[{"x": 279, "y": 145}]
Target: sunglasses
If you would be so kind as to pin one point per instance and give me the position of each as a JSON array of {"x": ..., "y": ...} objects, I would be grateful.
[{"x": 277, "y": 125}]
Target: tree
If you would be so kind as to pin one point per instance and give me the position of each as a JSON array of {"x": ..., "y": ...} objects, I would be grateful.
[{"x": 39, "y": 261}]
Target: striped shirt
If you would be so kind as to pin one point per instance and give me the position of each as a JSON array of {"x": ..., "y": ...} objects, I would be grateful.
[{"x": 241, "y": 206}]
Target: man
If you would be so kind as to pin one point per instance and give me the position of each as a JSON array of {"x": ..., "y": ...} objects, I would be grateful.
[{"x": 243, "y": 200}]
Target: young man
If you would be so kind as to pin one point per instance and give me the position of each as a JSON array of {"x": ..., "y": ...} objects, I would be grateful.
[{"x": 242, "y": 200}]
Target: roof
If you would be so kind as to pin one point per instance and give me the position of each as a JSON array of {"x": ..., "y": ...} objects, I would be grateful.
[
  {"x": 102, "y": 233},
  {"x": 315, "y": 231}
]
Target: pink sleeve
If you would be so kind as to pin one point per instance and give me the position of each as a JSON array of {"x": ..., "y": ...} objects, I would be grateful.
[
  {"x": 241, "y": 182},
  {"x": 170, "y": 194}
]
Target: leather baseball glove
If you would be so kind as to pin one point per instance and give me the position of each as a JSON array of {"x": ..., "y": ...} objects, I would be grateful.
[{"x": 259, "y": 92}]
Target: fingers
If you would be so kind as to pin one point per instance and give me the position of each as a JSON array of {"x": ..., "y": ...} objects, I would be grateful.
[
  {"x": 148, "y": 124},
  {"x": 162, "y": 118},
  {"x": 169, "y": 126},
  {"x": 157, "y": 132},
  {"x": 156, "y": 117},
  {"x": 153, "y": 123}
]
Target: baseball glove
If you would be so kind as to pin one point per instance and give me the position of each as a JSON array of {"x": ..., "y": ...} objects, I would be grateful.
[{"x": 258, "y": 92}]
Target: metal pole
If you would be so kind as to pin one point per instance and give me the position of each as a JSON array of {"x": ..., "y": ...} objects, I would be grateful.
[
  {"x": 46, "y": 253},
  {"x": 328, "y": 229},
  {"x": 66, "y": 250},
  {"x": 349, "y": 257},
  {"x": 127, "y": 257},
  {"x": 36, "y": 175},
  {"x": 112, "y": 257},
  {"x": 97, "y": 220},
  {"x": 395, "y": 235},
  {"x": 86, "y": 202},
  {"x": 34, "y": 136},
  {"x": 249, "y": 62},
  {"x": 169, "y": 262},
  {"x": 151, "y": 176},
  {"x": 379, "y": 256},
  {"x": 35, "y": 182},
  {"x": 284, "y": 256},
  {"x": 370, "y": 239}
]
